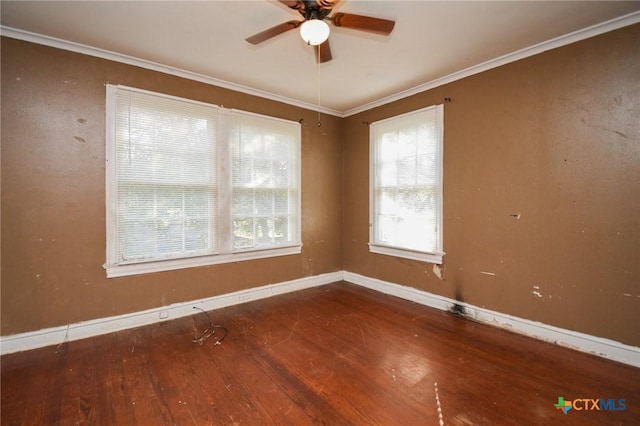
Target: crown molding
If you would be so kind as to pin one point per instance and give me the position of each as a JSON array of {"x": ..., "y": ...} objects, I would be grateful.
[
  {"x": 154, "y": 66},
  {"x": 601, "y": 28}
]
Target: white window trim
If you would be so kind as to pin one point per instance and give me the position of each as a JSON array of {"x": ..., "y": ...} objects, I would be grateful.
[
  {"x": 436, "y": 257},
  {"x": 192, "y": 262},
  {"x": 114, "y": 269}
]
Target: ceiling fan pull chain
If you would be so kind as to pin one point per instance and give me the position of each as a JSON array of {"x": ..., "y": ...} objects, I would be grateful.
[{"x": 318, "y": 84}]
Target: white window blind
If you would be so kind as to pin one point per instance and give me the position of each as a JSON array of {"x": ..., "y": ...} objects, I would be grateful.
[
  {"x": 191, "y": 184},
  {"x": 406, "y": 185},
  {"x": 264, "y": 180},
  {"x": 166, "y": 174}
]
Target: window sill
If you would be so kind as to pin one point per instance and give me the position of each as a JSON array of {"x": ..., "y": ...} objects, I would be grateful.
[
  {"x": 407, "y": 254},
  {"x": 114, "y": 271}
]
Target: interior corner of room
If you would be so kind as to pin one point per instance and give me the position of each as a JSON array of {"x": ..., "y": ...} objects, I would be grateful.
[{"x": 540, "y": 212}]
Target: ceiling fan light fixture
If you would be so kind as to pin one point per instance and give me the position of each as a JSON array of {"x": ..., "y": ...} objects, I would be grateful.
[{"x": 314, "y": 31}]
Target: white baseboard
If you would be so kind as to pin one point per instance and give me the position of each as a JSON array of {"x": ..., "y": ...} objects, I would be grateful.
[
  {"x": 84, "y": 329},
  {"x": 601, "y": 347},
  {"x": 579, "y": 341}
]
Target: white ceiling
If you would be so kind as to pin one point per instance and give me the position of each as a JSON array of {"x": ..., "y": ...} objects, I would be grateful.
[{"x": 432, "y": 41}]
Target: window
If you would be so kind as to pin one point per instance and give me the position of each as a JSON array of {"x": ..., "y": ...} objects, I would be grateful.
[
  {"x": 406, "y": 185},
  {"x": 192, "y": 184}
]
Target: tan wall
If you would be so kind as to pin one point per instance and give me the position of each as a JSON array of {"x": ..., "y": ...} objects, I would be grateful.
[
  {"x": 53, "y": 193},
  {"x": 554, "y": 138}
]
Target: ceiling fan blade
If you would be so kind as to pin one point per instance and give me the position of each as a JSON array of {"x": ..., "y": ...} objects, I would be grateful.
[
  {"x": 323, "y": 52},
  {"x": 293, "y": 4},
  {"x": 365, "y": 23},
  {"x": 327, "y": 4},
  {"x": 273, "y": 31}
]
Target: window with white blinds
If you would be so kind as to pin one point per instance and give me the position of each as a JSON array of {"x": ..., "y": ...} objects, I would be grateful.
[
  {"x": 406, "y": 185},
  {"x": 264, "y": 182},
  {"x": 192, "y": 184}
]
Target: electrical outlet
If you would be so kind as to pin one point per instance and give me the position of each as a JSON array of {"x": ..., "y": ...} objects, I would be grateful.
[{"x": 164, "y": 314}]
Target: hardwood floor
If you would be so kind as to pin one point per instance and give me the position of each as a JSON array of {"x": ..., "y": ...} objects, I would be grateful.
[{"x": 336, "y": 355}]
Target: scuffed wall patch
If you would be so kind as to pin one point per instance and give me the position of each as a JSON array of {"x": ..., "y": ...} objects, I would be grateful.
[
  {"x": 536, "y": 291},
  {"x": 438, "y": 270}
]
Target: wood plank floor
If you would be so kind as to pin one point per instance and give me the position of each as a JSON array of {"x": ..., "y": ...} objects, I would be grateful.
[{"x": 335, "y": 355}]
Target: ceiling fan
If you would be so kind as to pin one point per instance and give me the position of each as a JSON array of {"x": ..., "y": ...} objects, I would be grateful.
[{"x": 315, "y": 31}]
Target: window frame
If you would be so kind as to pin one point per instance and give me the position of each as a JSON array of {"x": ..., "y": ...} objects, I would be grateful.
[
  {"x": 436, "y": 256},
  {"x": 226, "y": 253}
]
